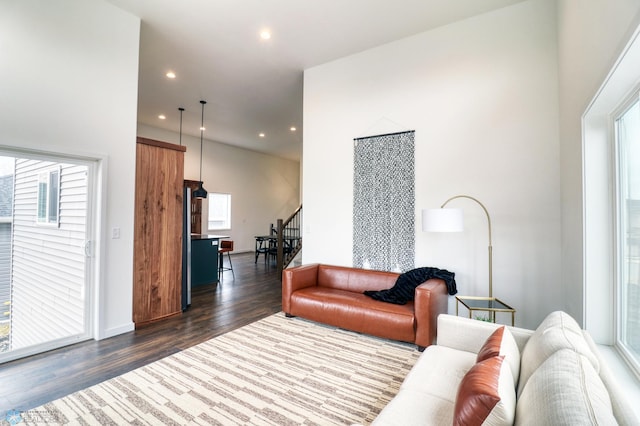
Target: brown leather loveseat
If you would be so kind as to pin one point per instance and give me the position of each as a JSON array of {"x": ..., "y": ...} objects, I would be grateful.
[{"x": 334, "y": 295}]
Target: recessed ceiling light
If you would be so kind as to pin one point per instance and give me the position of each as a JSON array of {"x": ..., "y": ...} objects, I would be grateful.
[
  {"x": 293, "y": 129},
  {"x": 261, "y": 135},
  {"x": 171, "y": 74},
  {"x": 162, "y": 117},
  {"x": 265, "y": 34}
]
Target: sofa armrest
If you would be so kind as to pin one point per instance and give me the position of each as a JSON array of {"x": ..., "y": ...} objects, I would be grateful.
[
  {"x": 430, "y": 300},
  {"x": 296, "y": 278},
  {"x": 469, "y": 335}
]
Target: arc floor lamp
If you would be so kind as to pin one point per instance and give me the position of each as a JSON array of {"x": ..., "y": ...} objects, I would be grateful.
[{"x": 450, "y": 220}]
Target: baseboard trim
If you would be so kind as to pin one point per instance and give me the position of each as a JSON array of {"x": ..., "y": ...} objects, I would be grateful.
[{"x": 114, "y": 331}]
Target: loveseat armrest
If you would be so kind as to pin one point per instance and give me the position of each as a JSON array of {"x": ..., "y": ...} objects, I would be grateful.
[
  {"x": 294, "y": 279},
  {"x": 469, "y": 335},
  {"x": 430, "y": 300}
]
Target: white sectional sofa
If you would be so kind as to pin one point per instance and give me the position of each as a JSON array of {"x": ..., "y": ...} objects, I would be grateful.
[{"x": 483, "y": 373}]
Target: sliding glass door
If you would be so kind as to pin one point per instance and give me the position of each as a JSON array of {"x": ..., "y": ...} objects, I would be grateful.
[{"x": 45, "y": 262}]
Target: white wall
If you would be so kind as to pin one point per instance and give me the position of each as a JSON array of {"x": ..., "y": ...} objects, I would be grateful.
[
  {"x": 263, "y": 188},
  {"x": 482, "y": 96},
  {"x": 69, "y": 84},
  {"x": 591, "y": 36}
]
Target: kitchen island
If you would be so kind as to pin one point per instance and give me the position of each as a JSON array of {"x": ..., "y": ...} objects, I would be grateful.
[{"x": 204, "y": 258}]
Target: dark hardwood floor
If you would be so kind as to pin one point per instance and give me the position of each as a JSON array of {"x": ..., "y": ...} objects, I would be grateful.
[{"x": 254, "y": 293}]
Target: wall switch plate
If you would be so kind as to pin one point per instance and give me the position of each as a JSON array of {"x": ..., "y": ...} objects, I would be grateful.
[{"x": 115, "y": 233}]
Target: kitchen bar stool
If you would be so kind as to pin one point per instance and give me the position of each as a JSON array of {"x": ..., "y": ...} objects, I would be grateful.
[{"x": 226, "y": 246}]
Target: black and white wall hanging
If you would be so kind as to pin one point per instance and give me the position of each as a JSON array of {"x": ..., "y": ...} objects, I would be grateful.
[{"x": 383, "y": 202}]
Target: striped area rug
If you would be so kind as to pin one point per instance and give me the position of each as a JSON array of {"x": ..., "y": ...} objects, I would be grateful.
[{"x": 276, "y": 371}]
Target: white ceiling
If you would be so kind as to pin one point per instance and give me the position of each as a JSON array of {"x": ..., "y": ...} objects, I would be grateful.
[{"x": 251, "y": 85}]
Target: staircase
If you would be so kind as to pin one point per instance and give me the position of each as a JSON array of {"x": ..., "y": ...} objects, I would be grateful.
[{"x": 289, "y": 239}]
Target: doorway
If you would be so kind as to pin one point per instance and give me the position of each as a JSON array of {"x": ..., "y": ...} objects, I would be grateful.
[{"x": 45, "y": 252}]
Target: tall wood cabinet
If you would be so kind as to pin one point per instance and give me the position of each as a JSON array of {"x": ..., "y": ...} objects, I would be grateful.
[{"x": 157, "y": 259}]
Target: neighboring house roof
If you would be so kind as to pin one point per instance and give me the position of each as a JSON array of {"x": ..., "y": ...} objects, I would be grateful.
[{"x": 6, "y": 195}]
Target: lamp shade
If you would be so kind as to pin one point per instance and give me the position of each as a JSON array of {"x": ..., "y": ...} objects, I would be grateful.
[
  {"x": 442, "y": 220},
  {"x": 200, "y": 192}
]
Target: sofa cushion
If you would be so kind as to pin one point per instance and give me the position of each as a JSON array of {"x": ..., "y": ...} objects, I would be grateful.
[
  {"x": 565, "y": 390},
  {"x": 501, "y": 342},
  {"x": 355, "y": 311},
  {"x": 486, "y": 394},
  {"x": 441, "y": 365},
  {"x": 411, "y": 408},
  {"x": 354, "y": 279},
  {"x": 428, "y": 393},
  {"x": 557, "y": 331}
]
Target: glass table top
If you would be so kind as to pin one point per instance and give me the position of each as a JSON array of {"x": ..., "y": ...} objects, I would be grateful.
[{"x": 484, "y": 303}]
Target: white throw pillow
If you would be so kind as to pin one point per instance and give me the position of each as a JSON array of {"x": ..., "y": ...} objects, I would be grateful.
[
  {"x": 565, "y": 390},
  {"x": 557, "y": 331}
]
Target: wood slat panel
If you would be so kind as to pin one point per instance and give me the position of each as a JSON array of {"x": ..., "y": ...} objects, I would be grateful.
[{"x": 157, "y": 233}]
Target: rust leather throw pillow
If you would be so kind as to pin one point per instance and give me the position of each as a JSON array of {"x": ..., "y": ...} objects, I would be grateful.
[
  {"x": 492, "y": 345},
  {"x": 486, "y": 395},
  {"x": 501, "y": 342}
]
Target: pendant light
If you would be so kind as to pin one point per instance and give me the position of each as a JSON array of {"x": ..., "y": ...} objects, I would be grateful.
[
  {"x": 181, "y": 111},
  {"x": 201, "y": 192}
]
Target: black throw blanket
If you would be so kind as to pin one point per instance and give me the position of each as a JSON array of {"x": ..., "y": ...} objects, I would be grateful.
[{"x": 405, "y": 286}]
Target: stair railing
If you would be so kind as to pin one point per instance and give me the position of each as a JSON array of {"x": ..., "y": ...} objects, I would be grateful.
[{"x": 289, "y": 239}]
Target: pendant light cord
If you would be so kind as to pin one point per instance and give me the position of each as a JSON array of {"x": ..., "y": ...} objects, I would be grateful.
[
  {"x": 181, "y": 110},
  {"x": 201, "y": 136}
]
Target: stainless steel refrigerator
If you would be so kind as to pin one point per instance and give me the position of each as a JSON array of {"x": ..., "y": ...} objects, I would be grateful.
[{"x": 186, "y": 249}]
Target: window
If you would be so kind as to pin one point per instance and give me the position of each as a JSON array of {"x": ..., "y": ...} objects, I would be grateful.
[
  {"x": 48, "y": 196},
  {"x": 219, "y": 211},
  {"x": 628, "y": 218}
]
